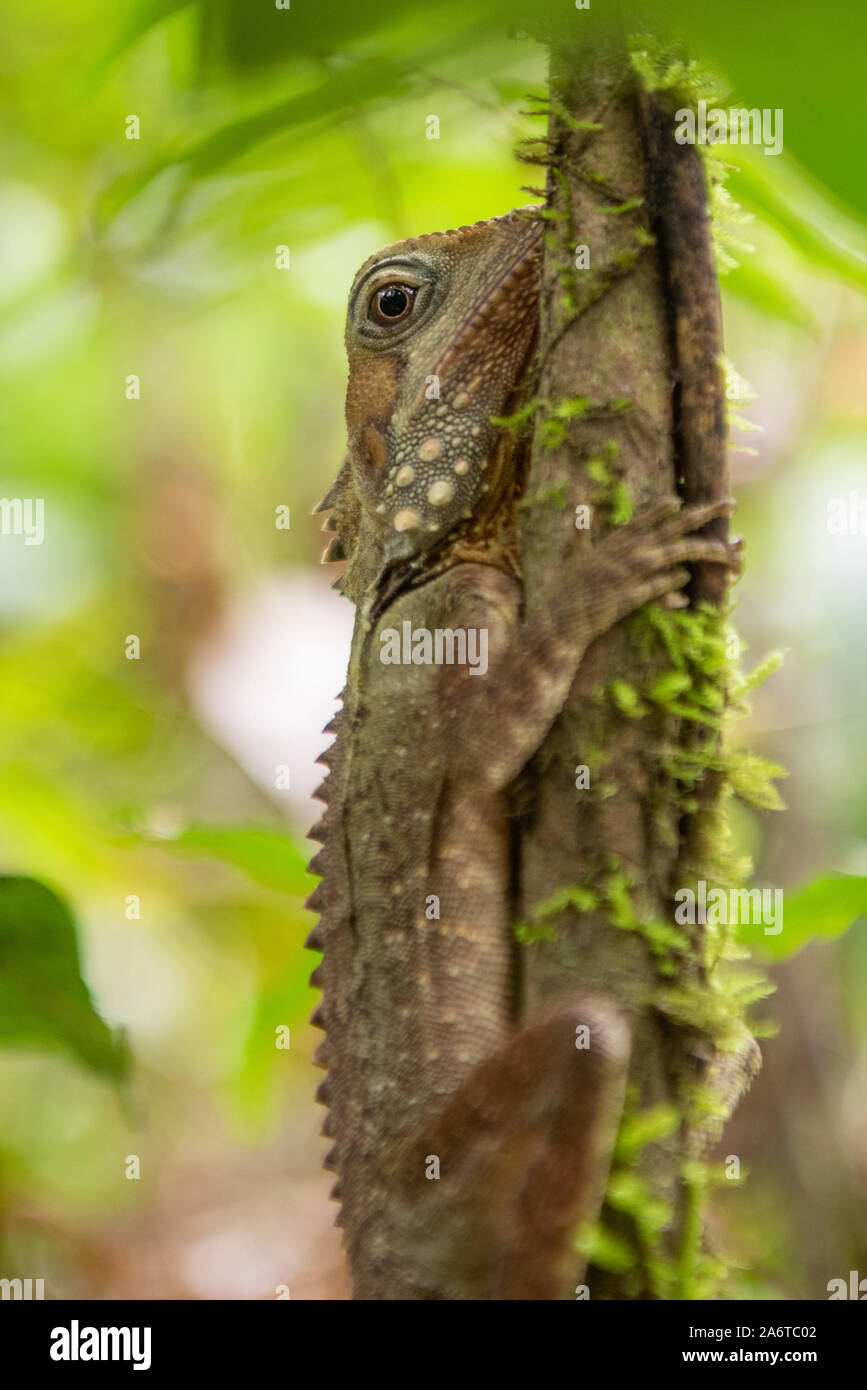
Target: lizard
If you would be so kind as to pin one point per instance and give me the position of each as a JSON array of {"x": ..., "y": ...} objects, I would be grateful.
[{"x": 467, "y": 1145}]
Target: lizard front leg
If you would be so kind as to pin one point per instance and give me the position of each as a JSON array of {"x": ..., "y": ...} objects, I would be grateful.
[{"x": 495, "y": 724}]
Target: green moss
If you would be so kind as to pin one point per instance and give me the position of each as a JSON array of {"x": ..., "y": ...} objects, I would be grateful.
[
  {"x": 567, "y": 272},
  {"x": 704, "y": 986},
  {"x": 629, "y": 205},
  {"x": 615, "y": 895},
  {"x": 554, "y": 496},
  {"x": 558, "y": 109},
  {"x": 689, "y": 1262},
  {"x": 528, "y": 933},
  {"x": 715, "y": 1007},
  {"x": 686, "y": 82},
  {"x": 514, "y": 422},
  {"x": 611, "y": 496},
  {"x": 639, "y": 1128},
  {"x": 605, "y": 1249},
  {"x": 703, "y": 686},
  {"x": 662, "y": 68},
  {"x": 743, "y": 684},
  {"x": 542, "y": 923},
  {"x": 629, "y": 1236},
  {"x": 626, "y": 698},
  {"x": 728, "y": 217},
  {"x": 555, "y": 427},
  {"x": 752, "y": 777}
]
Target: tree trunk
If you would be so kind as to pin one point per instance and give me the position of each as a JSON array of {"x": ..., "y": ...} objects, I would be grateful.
[{"x": 631, "y": 410}]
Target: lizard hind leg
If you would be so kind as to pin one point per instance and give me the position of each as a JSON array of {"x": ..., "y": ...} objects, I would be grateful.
[{"x": 523, "y": 1150}]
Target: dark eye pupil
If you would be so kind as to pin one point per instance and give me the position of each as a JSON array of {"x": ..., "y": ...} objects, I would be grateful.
[{"x": 393, "y": 302}]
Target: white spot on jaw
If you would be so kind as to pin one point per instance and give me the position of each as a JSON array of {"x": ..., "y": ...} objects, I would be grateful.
[
  {"x": 462, "y": 467},
  {"x": 430, "y": 449},
  {"x": 440, "y": 492},
  {"x": 406, "y": 519},
  {"x": 405, "y": 475}
]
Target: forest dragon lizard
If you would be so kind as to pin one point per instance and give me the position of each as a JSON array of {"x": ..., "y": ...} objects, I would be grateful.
[{"x": 469, "y": 1143}]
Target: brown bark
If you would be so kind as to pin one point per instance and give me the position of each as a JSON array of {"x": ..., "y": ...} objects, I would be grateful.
[{"x": 641, "y": 324}]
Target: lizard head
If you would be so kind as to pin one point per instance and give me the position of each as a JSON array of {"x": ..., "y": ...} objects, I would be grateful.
[{"x": 438, "y": 332}]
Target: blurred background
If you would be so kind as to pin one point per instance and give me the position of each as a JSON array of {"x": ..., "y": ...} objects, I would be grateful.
[{"x": 186, "y": 191}]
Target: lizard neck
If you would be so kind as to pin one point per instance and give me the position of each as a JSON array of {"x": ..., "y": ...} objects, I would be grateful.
[{"x": 489, "y": 537}]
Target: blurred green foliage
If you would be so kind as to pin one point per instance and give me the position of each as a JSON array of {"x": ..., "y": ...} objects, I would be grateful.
[
  {"x": 826, "y": 907},
  {"x": 43, "y": 999},
  {"x": 305, "y": 127}
]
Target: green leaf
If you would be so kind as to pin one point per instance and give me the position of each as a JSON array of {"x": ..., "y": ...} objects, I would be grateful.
[
  {"x": 280, "y": 1003},
  {"x": 44, "y": 1002},
  {"x": 825, "y": 908},
  {"x": 796, "y": 60},
  {"x": 787, "y": 203},
  {"x": 767, "y": 292},
  {"x": 510, "y": 89},
  {"x": 269, "y": 857}
]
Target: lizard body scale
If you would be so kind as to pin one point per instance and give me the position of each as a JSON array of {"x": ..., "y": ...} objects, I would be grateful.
[{"x": 424, "y": 1049}]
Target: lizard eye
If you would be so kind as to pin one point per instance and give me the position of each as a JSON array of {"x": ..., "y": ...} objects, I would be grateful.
[{"x": 392, "y": 303}]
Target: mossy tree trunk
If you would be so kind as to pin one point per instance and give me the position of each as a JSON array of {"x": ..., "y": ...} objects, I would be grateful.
[{"x": 631, "y": 410}]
